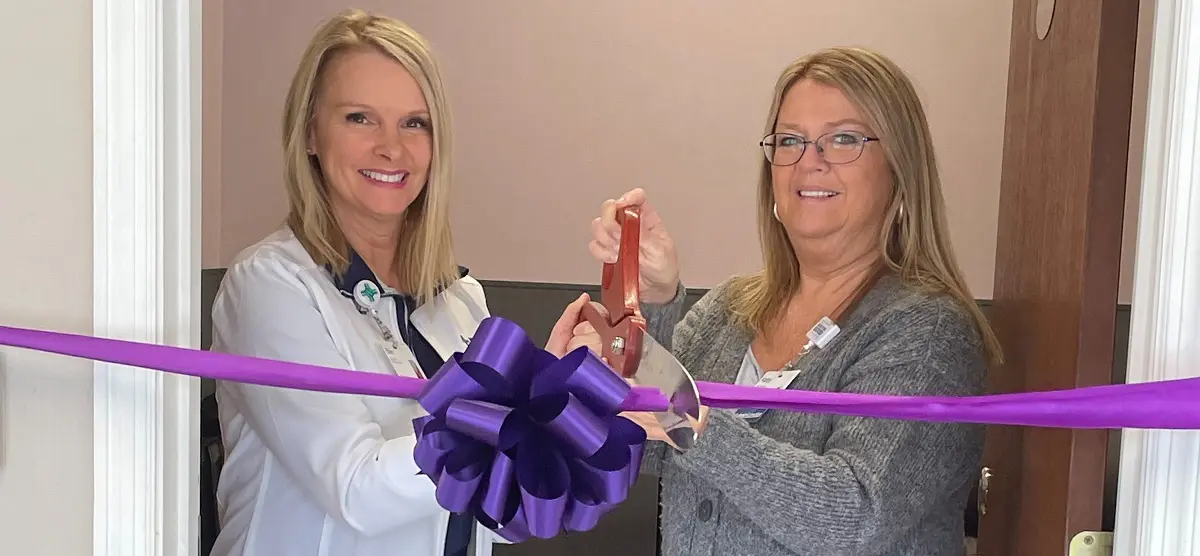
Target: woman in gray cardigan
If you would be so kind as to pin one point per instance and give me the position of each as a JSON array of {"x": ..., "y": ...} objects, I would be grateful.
[{"x": 853, "y": 230}]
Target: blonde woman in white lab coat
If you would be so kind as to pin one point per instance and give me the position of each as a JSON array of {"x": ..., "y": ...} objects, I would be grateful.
[{"x": 361, "y": 277}]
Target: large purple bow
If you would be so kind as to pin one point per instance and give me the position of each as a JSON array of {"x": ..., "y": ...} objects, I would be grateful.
[{"x": 528, "y": 443}]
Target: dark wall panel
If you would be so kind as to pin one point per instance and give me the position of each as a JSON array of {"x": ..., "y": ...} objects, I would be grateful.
[{"x": 630, "y": 529}]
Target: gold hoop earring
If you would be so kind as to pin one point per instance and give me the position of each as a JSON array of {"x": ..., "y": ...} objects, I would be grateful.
[{"x": 775, "y": 211}]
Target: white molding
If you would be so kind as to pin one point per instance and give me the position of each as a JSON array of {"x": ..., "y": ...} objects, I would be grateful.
[
  {"x": 146, "y": 108},
  {"x": 1158, "y": 500}
]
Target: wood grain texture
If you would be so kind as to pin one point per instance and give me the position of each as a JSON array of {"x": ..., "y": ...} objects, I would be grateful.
[{"x": 1058, "y": 262}]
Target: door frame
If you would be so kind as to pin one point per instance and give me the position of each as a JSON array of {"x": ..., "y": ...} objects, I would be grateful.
[
  {"x": 146, "y": 280},
  {"x": 1159, "y": 476},
  {"x": 146, "y": 272}
]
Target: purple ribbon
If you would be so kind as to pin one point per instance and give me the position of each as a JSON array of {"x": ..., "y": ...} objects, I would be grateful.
[
  {"x": 1169, "y": 404},
  {"x": 528, "y": 443},
  {"x": 532, "y": 444}
]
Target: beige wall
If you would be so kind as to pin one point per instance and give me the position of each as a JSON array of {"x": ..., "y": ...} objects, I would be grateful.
[
  {"x": 46, "y": 246},
  {"x": 210, "y": 167},
  {"x": 559, "y": 106}
]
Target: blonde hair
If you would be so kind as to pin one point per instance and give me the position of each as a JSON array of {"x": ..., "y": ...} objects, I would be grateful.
[
  {"x": 914, "y": 240},
  {"x": 425, "y": 254}
]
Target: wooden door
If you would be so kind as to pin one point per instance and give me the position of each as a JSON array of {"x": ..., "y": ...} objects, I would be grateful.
[{"x": 1058, "y": 263}]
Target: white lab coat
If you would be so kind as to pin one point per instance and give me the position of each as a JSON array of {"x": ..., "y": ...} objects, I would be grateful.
[{"x": 319, "y": 474}]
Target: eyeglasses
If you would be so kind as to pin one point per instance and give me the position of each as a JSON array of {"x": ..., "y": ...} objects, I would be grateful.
[{"x": 837, "y": 147}]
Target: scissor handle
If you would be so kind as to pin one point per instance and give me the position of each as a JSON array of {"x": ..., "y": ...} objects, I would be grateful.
[
  {"x": 619, "y": 280},
  {"x": 617, "y": 318}
]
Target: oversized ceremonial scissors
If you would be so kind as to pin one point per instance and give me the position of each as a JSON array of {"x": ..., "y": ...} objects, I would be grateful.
[{"x": 629, "y": 348}]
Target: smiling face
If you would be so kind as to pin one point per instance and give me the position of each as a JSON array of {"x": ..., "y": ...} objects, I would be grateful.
[
  {"x": 372, "y": 135},
  {"x": 823, "y": 206}
]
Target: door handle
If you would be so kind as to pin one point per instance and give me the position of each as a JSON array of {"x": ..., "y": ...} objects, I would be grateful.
[{"x": 985, "y": 483}]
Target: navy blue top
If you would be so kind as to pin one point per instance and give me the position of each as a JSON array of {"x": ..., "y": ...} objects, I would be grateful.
[{"x": 461, "y": 526}]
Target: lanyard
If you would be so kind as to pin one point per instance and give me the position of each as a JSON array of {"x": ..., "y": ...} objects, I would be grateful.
[
  {"x": 826, "y": 329},
  {"x": 366, "y": 297},
  {"x": 384, "y": 330},
  {"x": 819, "y": 336}
]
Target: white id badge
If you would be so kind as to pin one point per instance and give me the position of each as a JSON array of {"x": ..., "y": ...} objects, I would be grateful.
[
  {"x": 402, "y": 361},
  {"x": 779, "y": 380}
]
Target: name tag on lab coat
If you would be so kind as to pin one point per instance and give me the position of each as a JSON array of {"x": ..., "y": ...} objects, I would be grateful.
[{"x": 404, "y": 363}]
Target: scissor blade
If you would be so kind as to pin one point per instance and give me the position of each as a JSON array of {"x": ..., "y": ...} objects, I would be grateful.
[{"x": 659, "y": 369}]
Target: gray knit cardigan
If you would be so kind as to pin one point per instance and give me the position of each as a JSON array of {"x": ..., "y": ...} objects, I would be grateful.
[{"x": 822, "y": 485}]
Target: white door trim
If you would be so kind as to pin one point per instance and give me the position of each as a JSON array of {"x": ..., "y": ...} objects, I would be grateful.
[
  {"x": 1158, "y": 499},
  {"x": 146, "y": 187}
]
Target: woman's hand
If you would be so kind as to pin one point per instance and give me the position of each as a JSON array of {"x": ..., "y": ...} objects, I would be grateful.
[
  {"x": 585, "y": 334},
  {"x": 654, "y": 430},
  {"x": 646, "y": 420},
  {"x": 658, "y": 272},
  {"x": 572, "y": 331}
]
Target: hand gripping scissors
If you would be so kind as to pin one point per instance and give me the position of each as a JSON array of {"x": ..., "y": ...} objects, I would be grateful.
[{"x": 630, "y": 349}]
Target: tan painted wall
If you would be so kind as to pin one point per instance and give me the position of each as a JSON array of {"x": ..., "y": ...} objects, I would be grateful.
[
  {"x": 560, "y": 106},
  {"x": 46, "y": 246}
]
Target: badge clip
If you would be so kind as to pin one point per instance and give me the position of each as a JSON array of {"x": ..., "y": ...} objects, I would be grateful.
[
  {"x": 823, "y": 332},
  {"x": 366, "y": 294}
]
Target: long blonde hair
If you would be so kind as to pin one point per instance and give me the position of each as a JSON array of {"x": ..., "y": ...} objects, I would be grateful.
[
  {"x": 914, "y": 239},
  {"x": 425, "y": 255}
]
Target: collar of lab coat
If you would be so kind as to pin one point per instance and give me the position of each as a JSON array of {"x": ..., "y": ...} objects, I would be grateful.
[
  {"x": 358, "y": 271},
  {"x": 438, "y": 326}
]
